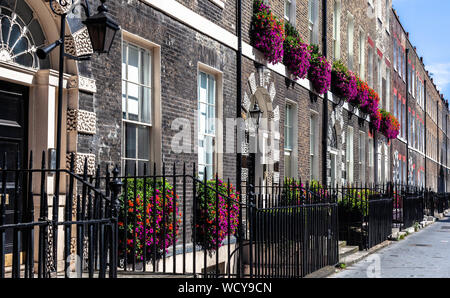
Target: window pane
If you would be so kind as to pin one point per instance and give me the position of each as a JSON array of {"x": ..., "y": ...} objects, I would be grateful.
[
  {"x": 141, "y": 167},
  {"x": 144, "y": 142},
  {"x": 133, "y": 102},
  {"x": 130, "y": 166},
  {"x": 124, "y": 100},
  {"x": 130, "y": 140},
  {"x": 211, "y": 90},
  {"x": 211, "y": 120},
  {"x": 133, "y": 64},
  {"x": 203, "y": 88},
  {"x": 145, "y": 105},
  {"x": 202, "y": 119},
  {"x": 209, "y": 150},
  {"x": 145, "y": 68}
]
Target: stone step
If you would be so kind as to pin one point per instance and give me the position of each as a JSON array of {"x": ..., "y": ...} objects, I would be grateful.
[
  {"x": 342, "y": 243},
  {"x": 347, "y": 250}
]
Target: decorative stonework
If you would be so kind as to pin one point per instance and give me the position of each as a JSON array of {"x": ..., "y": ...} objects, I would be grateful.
[
  {"x": 62, "y": 6},
  {"x": 79, "y": 162},
  {"x": 410, "y": 171},
  {"x": 276, "y": 114},
  {"x": 78, "y": 44},
  {"x": 246, "y": 102},
  {"x": 244, "y": 174},
  {"x": 87, "y": 84},
  {"x": 396, "y": 168},
  {"x": 252, "y": 83},
  {"x": 81, "y": 121},
  {"x": 272, "y": 91}
]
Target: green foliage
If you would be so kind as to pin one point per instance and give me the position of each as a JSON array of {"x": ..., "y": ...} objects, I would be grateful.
[{"x": 340, "y": 67}]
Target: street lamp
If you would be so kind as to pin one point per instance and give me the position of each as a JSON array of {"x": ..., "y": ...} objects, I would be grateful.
[
  {"x": 255, "y": 115},
  {"x": 102, "y": 30}
]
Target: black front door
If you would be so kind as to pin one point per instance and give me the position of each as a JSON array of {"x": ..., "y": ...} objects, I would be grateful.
[{"x": 13, "y": 143}]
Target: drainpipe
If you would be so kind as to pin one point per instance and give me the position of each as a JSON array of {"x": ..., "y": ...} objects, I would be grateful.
[
  {"x": 425, "y": 128},
  {"x": 238, "y": 115},
  {"x": 407, "y": 119},
  {"x": 325, "y": 99},
  {"x": 239, "y": 92}
]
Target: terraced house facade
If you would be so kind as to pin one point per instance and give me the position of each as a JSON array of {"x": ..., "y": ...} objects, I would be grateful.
[{"x": 180, "y": 64}]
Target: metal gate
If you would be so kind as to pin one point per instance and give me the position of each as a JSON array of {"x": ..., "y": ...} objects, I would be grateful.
[{"x": 89, "y": 226}]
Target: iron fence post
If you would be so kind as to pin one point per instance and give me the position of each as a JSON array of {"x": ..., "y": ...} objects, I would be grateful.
[{"x": 116, "y": 186}]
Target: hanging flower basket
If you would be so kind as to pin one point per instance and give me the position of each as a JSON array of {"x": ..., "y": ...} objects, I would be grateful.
[
  {"x": 375, "y": 120},
  {"x": 319, "y": 72},
  {"x": 343, "y": 82},
  {"x": 267, "y": 33},
  {"x": 370, "y": 106},
  {"x": 390, "y": 127},
  {"x": 361, "y": 100},
  {"x": 296, "y": 53}
]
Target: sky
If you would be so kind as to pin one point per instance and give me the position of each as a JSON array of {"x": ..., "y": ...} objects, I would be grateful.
[{"x": 428, "y": 24}]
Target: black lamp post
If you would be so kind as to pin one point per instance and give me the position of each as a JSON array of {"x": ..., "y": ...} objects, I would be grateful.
[
  {"x": 102, "y": 30},
  {"x": 255, "y": 115}
]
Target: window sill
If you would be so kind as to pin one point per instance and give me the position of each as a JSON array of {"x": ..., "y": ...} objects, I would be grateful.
[{"x": 220, "y": 3}]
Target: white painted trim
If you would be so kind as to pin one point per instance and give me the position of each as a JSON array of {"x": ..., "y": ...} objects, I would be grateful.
[
  {"x": 194, "y": 20},
  {"x": 220, "y": 3}
]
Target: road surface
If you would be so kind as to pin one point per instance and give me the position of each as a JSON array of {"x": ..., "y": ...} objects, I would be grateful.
[{"x": 425, "y": 254}]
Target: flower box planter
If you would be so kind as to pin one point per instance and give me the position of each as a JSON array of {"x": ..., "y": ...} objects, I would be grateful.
[
  {"x": 319, "y": 73},
  {"x": 389, "y": 125},
  {"x": 296, "y": 53},
  {"x": 267, "y": 33},
  {"x": 343, "y": 82}
]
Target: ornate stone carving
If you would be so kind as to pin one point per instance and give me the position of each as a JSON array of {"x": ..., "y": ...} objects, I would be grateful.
[
  {"x": 79, "y": 43},
  {"x": 272, "y": 91},
  {"x": 244, "y": 174},
  {"x": 79, "y": 162},
  {"x": 252, "y": 83},
  {"x": 276, "y": 114},
  {"x": 87, "y": 84},
  {"x": 72, "y": 82},
  {"x": 246, "y": 102},
  {"x": 396, "y": 168},
  {"x": 62, "y": 6},
  {"x": 81, "y": 121}
]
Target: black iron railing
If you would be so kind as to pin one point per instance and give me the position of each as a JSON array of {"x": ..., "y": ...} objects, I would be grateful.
[
  {"x": 365, "y": 214},
  {"x": 295, "y": 230},
  {"x": 28, "y": 245}
]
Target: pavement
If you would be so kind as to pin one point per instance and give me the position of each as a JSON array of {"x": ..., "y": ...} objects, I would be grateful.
[{"x": 425, "y": 254}]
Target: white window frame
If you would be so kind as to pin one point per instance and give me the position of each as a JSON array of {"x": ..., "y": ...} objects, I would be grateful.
[
  {"x": 130, "y": 40},
  {"x": 337, "y": 30},
  {"x": 350, "y": 41},
  {"x": 313, "y": 21},
  {"x": 349, "y": 156},
  {"x": 291, "y": 152},
  {"x": 362, "y": 156},
  {"x": 370, "y": 66},
  {"x": 362, "y": 54},
  {"x": 313, "y": 146},
  {"x": 292, "y": 15}
]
